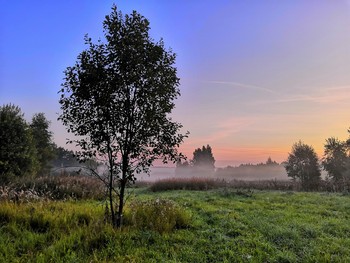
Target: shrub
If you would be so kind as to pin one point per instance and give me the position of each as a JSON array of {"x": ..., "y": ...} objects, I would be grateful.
[
  {"x": 330, "y": 185},
  {"x": 158, "y": 215}
]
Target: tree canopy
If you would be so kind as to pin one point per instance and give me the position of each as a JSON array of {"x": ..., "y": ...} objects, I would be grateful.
[
  {"x": 17, "y": 150},
  {"x": 26, "y": 148},
  {"x": 203, "y": 157},
  {"x": 118, "y": 97},
  {"x": 303, "y": 165},
  {"x": 42, "y": 138}
]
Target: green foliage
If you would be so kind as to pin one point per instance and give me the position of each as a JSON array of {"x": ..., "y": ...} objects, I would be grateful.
[
  {"x": 263, "y": 227},
  {"x": 18, "y": 155},
  {"x": 302, "y": 164},
  {"x": 42, "y": 138},
  {"x": 335, "y": 160},
  {"x": 117, "y": 98},
  {"x": 26, "y": 149}
]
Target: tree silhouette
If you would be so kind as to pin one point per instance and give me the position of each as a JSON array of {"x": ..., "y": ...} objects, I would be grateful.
[
  {"x": 270, "y": 162},
  {"x": 335, "y": 160},
  {"x": 302, "y": 164},
  {"x": 203, "y": 157},
  {"x": 117, "y": 98}
]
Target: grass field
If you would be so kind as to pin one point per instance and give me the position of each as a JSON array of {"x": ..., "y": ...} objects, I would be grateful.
[{"x": 223, "y": 225}]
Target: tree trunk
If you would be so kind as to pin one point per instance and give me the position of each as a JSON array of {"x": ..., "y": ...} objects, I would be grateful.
[
  {"x": 111, "y": 198},
  {"x": 121, "y": 203},
  {"x": 110, "y": 186},
  {"x": 123, "y": 182}
]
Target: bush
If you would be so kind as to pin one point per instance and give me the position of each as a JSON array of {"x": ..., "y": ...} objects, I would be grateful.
[
  {"x": 158, "y": 215},
  {"x": 330, "y": 185}
]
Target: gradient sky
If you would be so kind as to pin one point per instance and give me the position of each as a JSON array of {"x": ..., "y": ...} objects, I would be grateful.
[{"x": 256, "y": 76}]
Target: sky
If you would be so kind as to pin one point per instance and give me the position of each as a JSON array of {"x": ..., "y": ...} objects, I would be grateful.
[{"x": 256, "y": 76}]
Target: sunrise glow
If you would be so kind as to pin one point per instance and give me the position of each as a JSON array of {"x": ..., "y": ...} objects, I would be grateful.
[{"x": 256, "y": 76}]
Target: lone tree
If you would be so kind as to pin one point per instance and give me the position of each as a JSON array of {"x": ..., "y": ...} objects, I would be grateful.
[
  {"x": 117, "y": 98},
  {"x": 302, "y": 164},
  {"x": 335, "y": 160},
  {"x": 203, "y": 158}
]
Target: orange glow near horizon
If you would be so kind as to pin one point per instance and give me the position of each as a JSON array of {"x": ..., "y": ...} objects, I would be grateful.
[{"x": 238, "y": 154}]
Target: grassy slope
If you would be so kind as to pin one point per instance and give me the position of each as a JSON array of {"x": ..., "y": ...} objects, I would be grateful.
[{"x": 227, "y": 226}]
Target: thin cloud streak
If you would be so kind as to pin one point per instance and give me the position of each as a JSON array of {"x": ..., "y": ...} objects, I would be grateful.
[
  {"x": 321, "y": 95},
  {"x": 327, "y": 95},
  {"x": 241, "y": 85}
]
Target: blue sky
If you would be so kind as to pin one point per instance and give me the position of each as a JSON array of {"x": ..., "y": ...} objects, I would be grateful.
[{"x": 256, "y": 76}]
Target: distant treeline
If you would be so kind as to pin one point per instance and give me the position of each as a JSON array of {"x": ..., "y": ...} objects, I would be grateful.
[
  {"x": 302, "y": 166},
  {"x": 261, "y": 171}
]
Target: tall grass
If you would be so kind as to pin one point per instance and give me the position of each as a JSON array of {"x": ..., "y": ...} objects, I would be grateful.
[
  {"x": 159, "y": 215},
  {"x": 200, "y": 184},
  {"x": 224, "y": 225},
  {"x": 193, "y": 183},
  {"x": 53, "y": 188},
  {"x": 207, "y": 183}
]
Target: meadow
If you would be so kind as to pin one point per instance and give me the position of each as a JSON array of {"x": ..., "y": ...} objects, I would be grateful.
[{"x": 216, "y": 225}]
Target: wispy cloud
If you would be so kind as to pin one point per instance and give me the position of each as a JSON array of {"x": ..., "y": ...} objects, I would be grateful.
[
  {"x": 322, "y": 95},
  {"x": 240, "y": 85}
]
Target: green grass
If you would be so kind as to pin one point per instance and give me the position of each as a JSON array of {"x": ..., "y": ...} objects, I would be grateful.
[{"x": 223, "y": 225}]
